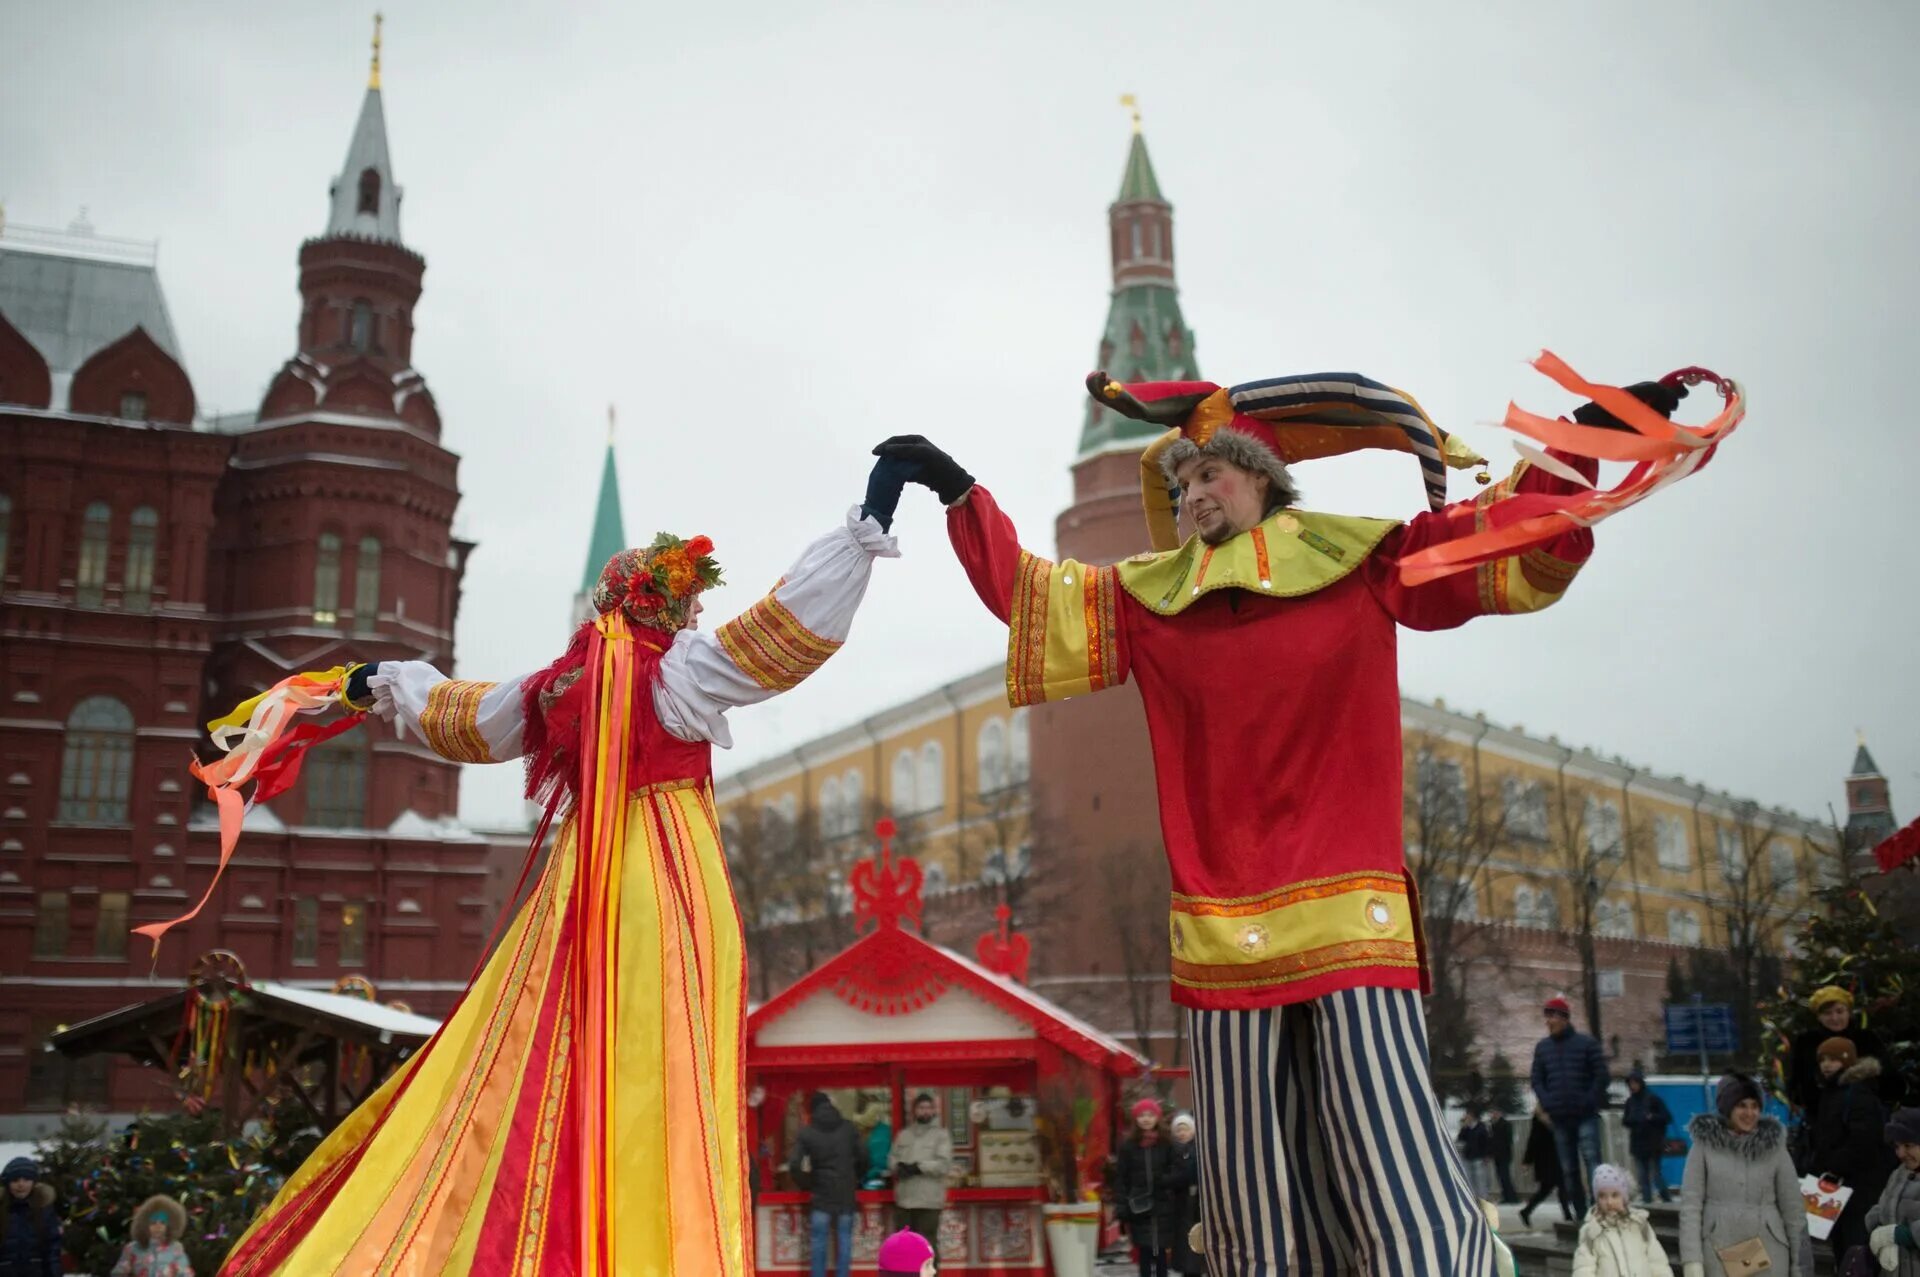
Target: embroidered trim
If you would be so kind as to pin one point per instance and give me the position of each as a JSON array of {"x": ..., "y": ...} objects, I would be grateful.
[
  {"x": 451, "y": 721},
  {"x": 1547, "y": 572},
  {"x": 1027, "y": 632},
  {"x": 1103, "y": 656},
  {"x": 772, "y": 648},
  {"x": 1306, "y": 889},
  {"x": 1260, "y": 563},
  {"x": 1294, "y": 967}
]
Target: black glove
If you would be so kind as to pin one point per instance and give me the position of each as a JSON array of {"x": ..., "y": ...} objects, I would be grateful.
[
  {"x": 358, "y": 695},
  {"x": 1657, "y": 395},
  {"x": 884, "y": 482},
  {"x": 906, "y": 1170},
  {"x": 932, "y": 467}
]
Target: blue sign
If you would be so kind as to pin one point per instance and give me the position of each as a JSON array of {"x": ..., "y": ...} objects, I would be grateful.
[{"x": 1700, "y": 1027}]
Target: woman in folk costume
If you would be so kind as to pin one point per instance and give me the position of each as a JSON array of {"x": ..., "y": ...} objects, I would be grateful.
[
  {"x": 1263, "y": 646},
  {"x": 580, "y": 1111}
]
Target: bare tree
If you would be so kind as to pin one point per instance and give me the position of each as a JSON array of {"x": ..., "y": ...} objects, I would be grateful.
[
  {"x": 999, "y": 838},
  {"x": 766, "y": 865},
  {"x": 1756, "y": 868},
  {"x": 1456, "y": 821},
  {"x": 1588, "y": 843},
  {"x": 1134, "y": 905}
]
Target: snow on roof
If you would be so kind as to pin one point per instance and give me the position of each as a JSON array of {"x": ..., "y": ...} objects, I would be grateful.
[
  {"x": 381, "y": 1018},
  {"x": 1041, "y": 1005}
]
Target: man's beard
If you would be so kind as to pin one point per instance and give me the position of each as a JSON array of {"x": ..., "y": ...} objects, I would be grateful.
[{"x": 1221, "y": 534}]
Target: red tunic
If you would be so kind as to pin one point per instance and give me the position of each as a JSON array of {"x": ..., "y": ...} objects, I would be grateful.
[{"x": 1275, "y": 726}]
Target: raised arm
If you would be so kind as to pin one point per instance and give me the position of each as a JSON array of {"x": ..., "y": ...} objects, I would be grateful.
[
  {"x": 1066, "y": 629},
  {"x": 459, "y": 719},
  {"x": 1525, "y": 582},
  {"x": 775, "y": 644}
]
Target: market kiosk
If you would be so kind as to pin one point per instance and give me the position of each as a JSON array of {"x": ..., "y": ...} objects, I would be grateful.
[{"x": 1029, "y": 1092}]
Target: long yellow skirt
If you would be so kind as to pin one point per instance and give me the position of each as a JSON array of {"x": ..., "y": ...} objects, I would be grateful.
[{"x": 521, "y": 1141}]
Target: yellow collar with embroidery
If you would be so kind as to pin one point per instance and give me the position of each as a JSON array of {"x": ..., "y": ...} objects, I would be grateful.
[{"x": 1291, "y": 553}]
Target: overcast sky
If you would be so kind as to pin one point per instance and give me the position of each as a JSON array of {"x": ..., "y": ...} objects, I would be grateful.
[{"x": 776, "y": 233}]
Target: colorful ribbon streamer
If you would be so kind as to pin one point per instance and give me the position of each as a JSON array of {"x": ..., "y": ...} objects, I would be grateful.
[
  {"x": 261, "y": 744},
  {"x": 1663, "y": 452}
]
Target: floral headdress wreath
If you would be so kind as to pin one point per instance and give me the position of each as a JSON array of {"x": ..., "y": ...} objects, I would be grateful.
[{"x": 656, "y": 586}]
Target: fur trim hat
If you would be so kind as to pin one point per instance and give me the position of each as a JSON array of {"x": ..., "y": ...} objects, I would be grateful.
[
  {"x": 1904, "y": 1126},
  {"x": 1828, "y": 994},
  {"x": 1733, "y": 1088},
  {"x": 905, "y": 1252},
  {"x": 1841, "y": 1049},
  {"x": 1615, "y": 1179},
  {"x": 1263, "y": 426},
  {"x": 160, "y": 1206}
]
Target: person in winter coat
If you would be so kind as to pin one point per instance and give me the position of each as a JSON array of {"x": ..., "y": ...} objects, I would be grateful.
[
  {"x": 29, "y": 1224},
  {"x": 1146, "y": 1186},
  {"x": 1500, "y": 1131},
  {"x": 1186, "y": 1214},
  {"x": 1740, "y": 1188},
  {"x": 1849, "y": 1138},
  {"x": 828, "y": 1158},
  {"x": 1476, "y": 1150},
  {"x": 155, "y": 1250},
  {"x": 1543, "y": 1159},
  {"x": 919, "y": 1161},
  {"x": 1617, "y": 1240},
  {"x": 1893, "y": 1224},
  {"x": 1647, "y": 1117},
  {"x": 877, "y": 1131},
  {"x": 1570, "y": 1081},
  {"x": 1833, "y": 1006}
]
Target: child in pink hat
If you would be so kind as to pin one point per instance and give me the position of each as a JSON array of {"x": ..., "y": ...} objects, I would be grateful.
[{"x": 906, "y": 1254}]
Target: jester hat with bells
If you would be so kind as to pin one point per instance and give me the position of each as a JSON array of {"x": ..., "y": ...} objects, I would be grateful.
[{"x": 1263, "y": 426}]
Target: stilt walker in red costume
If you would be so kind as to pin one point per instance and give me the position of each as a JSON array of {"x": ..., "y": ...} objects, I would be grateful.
[{"x": 1263, "y": 646}]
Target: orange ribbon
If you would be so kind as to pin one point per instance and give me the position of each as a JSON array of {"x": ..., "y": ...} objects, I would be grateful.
[{"x": 1663, "y": 451}]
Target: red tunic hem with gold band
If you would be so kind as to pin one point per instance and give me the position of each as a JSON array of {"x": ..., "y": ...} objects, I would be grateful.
[{"x": 1268, "y": 669}]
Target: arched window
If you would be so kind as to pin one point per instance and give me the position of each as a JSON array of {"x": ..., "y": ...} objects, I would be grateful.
[
  {"x": 326, "y": 581},
  {"x": 96, "y": 527},
  {"x": 829, "y": 814},
  {"x": 96, "y": 767},
  {"x": 1535, "y": 907},
  {"x": 900, "y": 794},
  {"x": 992, "y": 752},
  {"x": 133, "y": 405},
  {"x": 360, "y": 328},
  {"x": 370, "y": 191},
  {"x": 1019, "y": 751},
  {"x": 1136, "y": 237},
  {"x": 366, "y": 586},
  {"x": 336, "y": 775},
  {"x": 935, "y": 881},
  {"x": 853, "y": 802},
  {"x": 931, "y": 781},
  {"x": 1156, "y": 241},
  {"x": 136, "y": 581}
]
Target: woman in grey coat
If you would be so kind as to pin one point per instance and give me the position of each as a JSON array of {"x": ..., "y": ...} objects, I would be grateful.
[
  {"x": 1893, "y": 1225},
  {"x": 1740, "y": 1186}
]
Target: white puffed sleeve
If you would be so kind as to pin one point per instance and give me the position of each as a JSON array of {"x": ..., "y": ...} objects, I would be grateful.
[
  {"x": 462, "y": 720},
  {"x": 773, "y": 645}
]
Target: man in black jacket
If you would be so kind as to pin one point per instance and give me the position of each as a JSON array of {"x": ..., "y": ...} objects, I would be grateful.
[
  {"x": 1647, "y": 1117},
  {"x": 828, "y": 1160},
  {"x": 1570, "y": 1080},
  {"x": 1500, "y": 1133},
  {"x": 29, "y": 1224}
]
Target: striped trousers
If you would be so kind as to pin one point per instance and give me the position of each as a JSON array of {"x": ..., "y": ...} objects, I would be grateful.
[{"x": 1322, "y": 1147}]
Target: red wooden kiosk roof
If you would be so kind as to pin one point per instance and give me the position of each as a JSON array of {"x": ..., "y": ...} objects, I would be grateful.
[{"x": 893, "y": 971}]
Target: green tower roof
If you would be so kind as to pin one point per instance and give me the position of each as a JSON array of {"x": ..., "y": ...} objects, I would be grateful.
[
  {"x": 1139, "y": 183},
  {"x": 609, "y": 535}
]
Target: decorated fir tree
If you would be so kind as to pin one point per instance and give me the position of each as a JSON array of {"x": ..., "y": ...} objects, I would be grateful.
[{"x": 1851, "y": 944}]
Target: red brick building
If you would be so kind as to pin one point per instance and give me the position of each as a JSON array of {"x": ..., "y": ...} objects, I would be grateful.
[{"x": 156, "y": 568}]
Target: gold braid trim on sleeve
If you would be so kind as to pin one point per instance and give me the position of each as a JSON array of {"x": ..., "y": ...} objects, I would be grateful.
[
  {"x": 772, "y": 647},
  {"x": 451, "y": 721}
]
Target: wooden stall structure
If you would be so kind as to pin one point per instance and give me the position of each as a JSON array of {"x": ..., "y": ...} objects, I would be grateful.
[
  {"x": 237, "y": 1044},
  {"x": 1030, "y": 1093}
]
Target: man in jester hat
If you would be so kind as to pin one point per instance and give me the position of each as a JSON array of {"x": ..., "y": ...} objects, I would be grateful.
[
  {"x": 1263, "y": 648},
  {"x": 581, "y": 1110}
]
